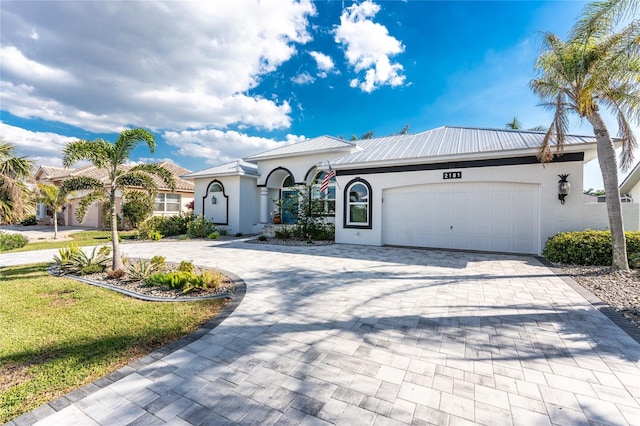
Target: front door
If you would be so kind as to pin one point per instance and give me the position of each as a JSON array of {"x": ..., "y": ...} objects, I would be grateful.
[{"x": 289, "y": 206}]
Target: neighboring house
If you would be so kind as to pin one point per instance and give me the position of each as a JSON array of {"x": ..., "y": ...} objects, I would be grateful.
[
  {"x": 167, "y": 202},
  {"x": 450, "y": 187}
]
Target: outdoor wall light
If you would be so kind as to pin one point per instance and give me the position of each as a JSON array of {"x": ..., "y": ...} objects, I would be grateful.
[
  {"x": 564, "y": 187},
  {"x": 213, "y": 199}
]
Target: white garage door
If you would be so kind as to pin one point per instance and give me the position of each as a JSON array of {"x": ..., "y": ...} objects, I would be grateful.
[{"x": 493, "y": 216}]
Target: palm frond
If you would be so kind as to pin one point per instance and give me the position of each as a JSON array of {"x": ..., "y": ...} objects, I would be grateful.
[
  {"x": 11, "y": 165},
  {"x": 136, "y": 180},
  {"x": 86, "y": 201},
  {"x": 93, "y": 151},
  {"x": 599, "y": 18},
  {"x": 81, "y": 183},
  {"x": 129, "y": 139}
]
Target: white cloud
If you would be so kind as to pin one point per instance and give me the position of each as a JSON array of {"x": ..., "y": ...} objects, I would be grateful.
[
  {"x": 44, "y": 148},
  {"x": 369, "y": 47},
  {"x": 15, "y": 64},
  {"x": 218, "y": 147},
  {"x": 303, "y": 78},
  {"x": 170, "y": 65},
  {"x": 324, "y": 63}
]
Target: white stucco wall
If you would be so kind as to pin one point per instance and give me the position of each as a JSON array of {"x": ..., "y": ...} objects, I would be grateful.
[
  {"x": 595, "y": 216},
  {"x": 242, "y": 198},
  {"x": 554, "y": 216},
  {"x": 299, "y": 166}
]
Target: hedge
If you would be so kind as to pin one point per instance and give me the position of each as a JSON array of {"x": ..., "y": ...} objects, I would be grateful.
[{"x": 587, "y": 247}]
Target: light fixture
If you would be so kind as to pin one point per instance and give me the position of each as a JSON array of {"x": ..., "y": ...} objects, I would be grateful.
[
  {"x": 213, "y": 199},
  {"x": 563, "y": 187}
]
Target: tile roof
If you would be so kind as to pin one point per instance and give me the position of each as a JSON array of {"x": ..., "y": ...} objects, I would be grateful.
[
  {"x": 449, "y": 141},
  {"x": 321, "y": 143},
  {"x": 233, "y": 168},
  {"x": 57, "y": 174}
]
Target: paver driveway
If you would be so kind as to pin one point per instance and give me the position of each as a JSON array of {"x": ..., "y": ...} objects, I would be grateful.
[{"x": 370, "y": 335}]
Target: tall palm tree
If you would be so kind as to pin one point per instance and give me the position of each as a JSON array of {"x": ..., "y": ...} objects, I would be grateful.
[
  {"x": 597, "y": 67},
  {"x": 14, "y": 194},
  {"x": 54, "y": 198},
  {"x": 112, "y": 157}
]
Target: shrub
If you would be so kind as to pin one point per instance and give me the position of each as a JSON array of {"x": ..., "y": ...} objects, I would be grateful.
[
  {"x": 262, "y": 238},
  {"x": 213, "y": 236},
  {"x": 29, "y": 221},
  {"x": 141, "y": 269},
  {"x": 155, "y": 236},
  {"x": 137, "y": 207},
  {"x": 73, "y": 260},
  {"x": 159, "y": 261},
  {"x": 12, "y": 241},
  {"x": 223, "y": 231},
  {"x": 586, "y": 247},
  {"x": 185, "y": 280},
  {"x": 166, "y": 226},
  {"x": 282, "y": 233},
  {"x": 183, "y": 237},
  {"x": 238, "y": 234},
  {"x": 201, "y": 227},
  {"x": 186, "y": 266}
]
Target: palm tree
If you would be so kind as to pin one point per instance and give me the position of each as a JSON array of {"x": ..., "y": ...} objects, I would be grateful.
[
  {"x": 52, "y": 197},
  {"x": 595, "y": 68},
  {"x": 514, "y": 124},
  {"x": 14, "y": 194},
  {"x": 112, "y": 157}
]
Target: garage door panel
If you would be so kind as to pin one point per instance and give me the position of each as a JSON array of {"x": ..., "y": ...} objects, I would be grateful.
[{"x": 494, "y": 216}]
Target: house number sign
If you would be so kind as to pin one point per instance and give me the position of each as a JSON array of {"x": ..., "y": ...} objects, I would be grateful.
[{"x": 452, "y": 175}]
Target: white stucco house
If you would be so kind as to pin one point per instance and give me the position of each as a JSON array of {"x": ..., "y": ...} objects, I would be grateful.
[{"x": 450, "y": 187}]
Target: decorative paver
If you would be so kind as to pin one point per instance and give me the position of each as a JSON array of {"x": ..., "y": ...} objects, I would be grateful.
[{"x": 373, "y": 335}]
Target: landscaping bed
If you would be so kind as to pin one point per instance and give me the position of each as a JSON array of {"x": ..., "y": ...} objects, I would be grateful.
[{"x": 618, "y": 289}]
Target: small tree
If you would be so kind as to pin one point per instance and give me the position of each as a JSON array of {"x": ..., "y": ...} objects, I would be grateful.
[
  {"x": 137, "y": 207},
  {"x": 55, "y": 199},
  {"x": 112, "y": 157}
]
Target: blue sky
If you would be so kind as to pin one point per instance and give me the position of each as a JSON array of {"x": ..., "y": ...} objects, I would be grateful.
[{"x": 217, "y": 81}]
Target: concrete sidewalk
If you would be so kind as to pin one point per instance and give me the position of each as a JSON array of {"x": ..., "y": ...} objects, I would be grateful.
[
  {"x": 37, "y": 233},
  {"x": 373, "y": 335}
]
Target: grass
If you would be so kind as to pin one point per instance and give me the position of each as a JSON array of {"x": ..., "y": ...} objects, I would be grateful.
[
  {"x": 59, "y": 334},
  {"x": 83, "y": 238}
]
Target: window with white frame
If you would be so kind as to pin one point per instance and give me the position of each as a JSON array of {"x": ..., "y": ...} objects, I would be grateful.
[
  {"x": 358, "y": 208},
  {"x": 324, "y": 201},
  {"x": 167, "y": 203}
]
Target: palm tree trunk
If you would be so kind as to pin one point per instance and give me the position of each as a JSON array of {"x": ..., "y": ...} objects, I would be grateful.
[
  {"x": 609, "y": 169},
  {"x": 55, "y": 224},
  {"x": 117, "y": 264}
]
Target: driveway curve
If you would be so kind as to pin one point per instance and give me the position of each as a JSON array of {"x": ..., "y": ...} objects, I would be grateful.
[{"x": 373, "y": 335}]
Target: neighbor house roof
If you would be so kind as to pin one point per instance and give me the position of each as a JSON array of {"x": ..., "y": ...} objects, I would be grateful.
[
  {"x": 631, "y": 180},
  {"x": 321, "y": 143},
  {"x": 235, "y": 168},
  {"x": 449, "y": 142},
  {"x": 59, "y": 174}
]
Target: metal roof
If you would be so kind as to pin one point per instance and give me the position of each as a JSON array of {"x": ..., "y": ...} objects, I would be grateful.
[
  {"x": 321, "y": 143},
  {"x": 449, "y": 141},
  {"x": 234, "y": 168}
]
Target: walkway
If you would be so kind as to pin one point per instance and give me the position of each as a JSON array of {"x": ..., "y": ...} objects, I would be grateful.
[{"x": 369, "y": 335}]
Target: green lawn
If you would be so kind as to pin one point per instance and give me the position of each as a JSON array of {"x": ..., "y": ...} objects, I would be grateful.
[
  {"x": 82, "y": 238},
  {"x": 59, "y": 334}
]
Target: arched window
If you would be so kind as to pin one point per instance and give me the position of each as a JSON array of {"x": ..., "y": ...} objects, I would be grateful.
[
  {"x": 216, "y": 187},
  {"x": 324, "y": 202},
  {"x": 288, "y": 182},
  {"x": 358, "y": 204}
]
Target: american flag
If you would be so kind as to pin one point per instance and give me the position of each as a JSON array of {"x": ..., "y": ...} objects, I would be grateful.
[{"x": 325, "y": 182}]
